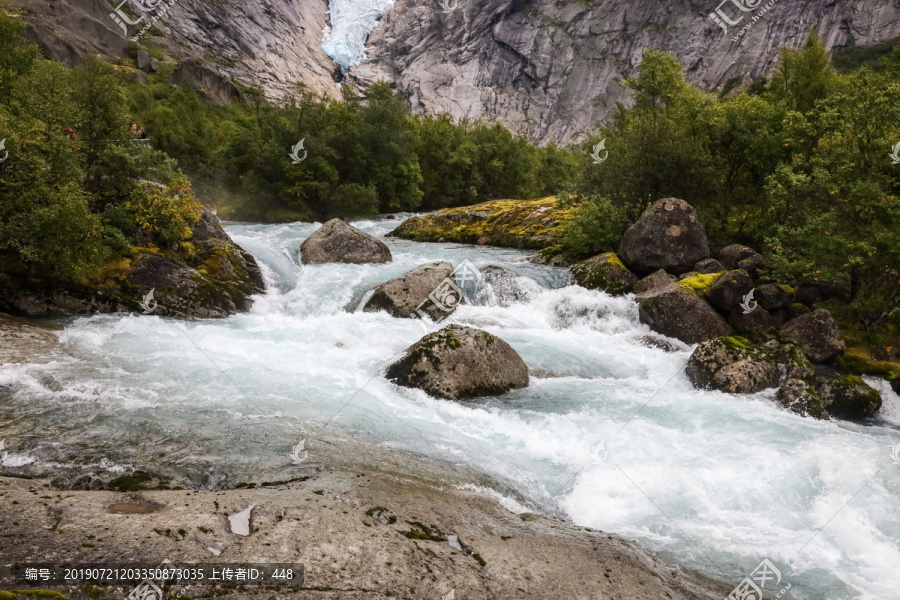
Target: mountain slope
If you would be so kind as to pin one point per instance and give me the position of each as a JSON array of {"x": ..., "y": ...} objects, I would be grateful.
[
  {"x": 551, "y": 68},
  {"x": 547, "y": 68}
]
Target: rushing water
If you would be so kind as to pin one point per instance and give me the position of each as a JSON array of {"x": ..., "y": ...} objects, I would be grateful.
[
  {"x": 351, "y": 23},
  {"x": 711, "y": 481}
]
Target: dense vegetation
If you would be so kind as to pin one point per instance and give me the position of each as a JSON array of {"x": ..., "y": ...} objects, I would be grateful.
[
  {"x": 69, "y": 206},
  {"x": 798, "y": 168},
  {"x": 363, "y": 155}
]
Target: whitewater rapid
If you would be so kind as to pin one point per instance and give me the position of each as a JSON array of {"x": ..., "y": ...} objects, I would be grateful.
[
  {"x": 351, "y": 23},
  {"x": 610, "y": 434}
]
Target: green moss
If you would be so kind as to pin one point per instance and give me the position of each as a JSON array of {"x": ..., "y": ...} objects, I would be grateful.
[
  {"x": 856, "y": 363},
  {"x": 848, "y": 381},
  {"x": 7, "y": 595},
  {"x": 419, "y": 531},
  {"x": 786, "y": 288},
  {"x": 736, "y": 342},
  {"x": 799, "y": 309},
  {"x": 129, "y": 483},
  {"x": 480, "y": 560},
  {"x": 41, "y": 594},
  {"x": 700, "y": 284}
]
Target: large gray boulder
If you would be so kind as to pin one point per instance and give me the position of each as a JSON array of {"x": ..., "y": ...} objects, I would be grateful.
[
  {"x": 676, "y": 311},
  {"x": 606, "y": 273},
  {"x": 817, "y": 333},
  {"x": 338, "y": 242},
  {"x": 850, "y": 398},
  {"x": 402, "y": 295},
  {"x": 459, "y": 363},
  {"x": 734, "y": 365},
  {"x": 667, "y": 236}
]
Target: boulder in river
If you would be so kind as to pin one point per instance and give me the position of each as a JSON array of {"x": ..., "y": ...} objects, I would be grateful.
[
  {"x": 817, "y": 333},
  {"x": 850, "y": 398},
  {"x": 339, "y": 242},
  {"x": 669, "y": 236},
  {"x": 402, "y": 295},
  {"x": 732, "y": 364},
  {"x": 800, "y": 397},
  {"x": 606, "y": 273},
  {"x": 459, "y": 363},
  {"x": 676, "y": 311}
]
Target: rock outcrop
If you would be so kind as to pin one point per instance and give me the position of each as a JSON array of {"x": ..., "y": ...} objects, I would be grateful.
[
  {"x": 216, "y": 280},
  {"x": 460, "y": 363},
  {"x": 553, "y": 69},
  {"x": 509, "y": 223},
  {"x": 667, "y": 236},
  {"x": 850, "y": 398},
  {"x": 817, "y": 333},
  {"x": 339, "y": 242},
  {"x": 401, "y": 296},
  {"x": 605, "y": 273},
  {"x": 733, "y": 365},
  {"x": 676, "y": 311}
]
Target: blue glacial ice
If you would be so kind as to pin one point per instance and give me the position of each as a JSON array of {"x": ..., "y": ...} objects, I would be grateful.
[{"x": 351, "y": 23}]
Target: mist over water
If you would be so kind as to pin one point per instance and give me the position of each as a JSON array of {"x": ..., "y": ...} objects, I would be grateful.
[{"x": 710, "y": 481}]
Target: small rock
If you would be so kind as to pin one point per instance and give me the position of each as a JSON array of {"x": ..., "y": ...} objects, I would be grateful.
[
  {"x": 669, "y": 236},
  {"x": 338, "y": 242},
  {"x": 756, "y": 321},
  {"x": 850, "y": 398},
  {"x": 731, "y": 255},
  {"x": 458, "y": 363},
  {"x": 710, "y": 265},
  {"x": 687, "y": 275},
  {"x": 752, "y": 265},
  {"x": 153, "y": 67},
  {"x": 656, "y": 280},
  {"x": 798, "y": 396},
  {"x": 143, "y": 60},
  {"x": 772, "y": 296},
  {"x": 792, "y": 361},
  {"x": 817, "y": 333},
  {"x": 811, "y": 293},
  {"x": 402, "y": 295},
  {"x": 605, "y": 273},
  {"x": 660, "y": 343},
  {"x": 730, "y": 289},
  {"x": 733, "y": 365}
]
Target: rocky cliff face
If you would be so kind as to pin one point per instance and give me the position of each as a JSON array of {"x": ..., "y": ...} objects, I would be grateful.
[
  {"x": 547, "y": 68},
  {"x": 551, "y": 68}
]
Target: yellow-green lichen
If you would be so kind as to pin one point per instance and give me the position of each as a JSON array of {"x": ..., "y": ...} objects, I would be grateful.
[{"x": 700, "y": 284}]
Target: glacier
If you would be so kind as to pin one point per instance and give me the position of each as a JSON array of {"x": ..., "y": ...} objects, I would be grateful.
[{"x": 351, "y": 23}]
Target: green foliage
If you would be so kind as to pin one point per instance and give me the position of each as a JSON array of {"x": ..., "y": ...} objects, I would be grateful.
[
  {"x": 798, "y": 168},
  {"x": 238, "y": 155},
  {"x": 68, "y": 206}
]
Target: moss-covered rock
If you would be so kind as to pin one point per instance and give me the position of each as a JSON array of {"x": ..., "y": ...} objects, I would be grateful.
[
  {"x": 459, "y": 363},
  {"x": 851, "y": 398},
  {"x": 729, "y": 290},
  {"x": 701, "y": 283},
  {"x": 528, "y": 224},
  {"x": 210, "y": 277},
  {"x": 605, "y": 273},
  {"x": 732, "y": 364}
]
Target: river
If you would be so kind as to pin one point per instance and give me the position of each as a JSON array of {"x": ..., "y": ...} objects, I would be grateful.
[{"x": 609, "y": 435}]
